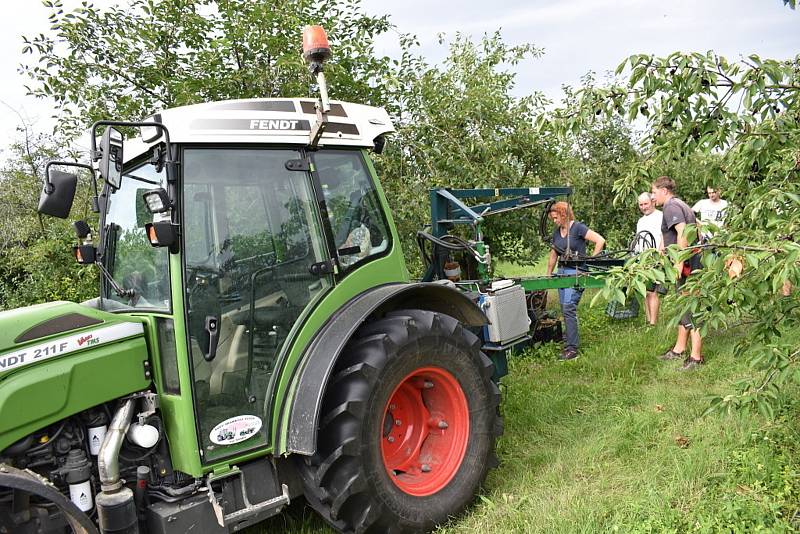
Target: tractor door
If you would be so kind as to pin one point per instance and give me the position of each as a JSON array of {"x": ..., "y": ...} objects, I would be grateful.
[{"x": 252, "y": 231}]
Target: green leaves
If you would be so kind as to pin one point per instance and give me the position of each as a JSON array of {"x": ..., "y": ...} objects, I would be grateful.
[
  {"x": 459, "y": 125},
  {"x": 741, "y": 122},
  {"x": 129, "y": 61}
]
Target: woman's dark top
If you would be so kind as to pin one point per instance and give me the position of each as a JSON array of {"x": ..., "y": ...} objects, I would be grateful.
[{"x": 574, "y": 242}]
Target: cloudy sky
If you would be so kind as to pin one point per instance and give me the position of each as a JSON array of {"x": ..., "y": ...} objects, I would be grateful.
[
  {"x": 577, "y": 36},
  {"x": 583, "y": 35}
]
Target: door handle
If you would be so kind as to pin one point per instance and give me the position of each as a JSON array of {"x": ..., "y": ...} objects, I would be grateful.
[{"x": 212, "y": 329}]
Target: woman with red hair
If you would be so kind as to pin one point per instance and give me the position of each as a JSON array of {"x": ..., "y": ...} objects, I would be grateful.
[{"x": 569, "y": 243}]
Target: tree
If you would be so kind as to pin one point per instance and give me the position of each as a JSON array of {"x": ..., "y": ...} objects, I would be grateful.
[
  {"x": 459, "y": 126},
  {"x": 744, "y": 115},
  {"x": 129, "y": 61},
  {"x": 36, "y": 264}
]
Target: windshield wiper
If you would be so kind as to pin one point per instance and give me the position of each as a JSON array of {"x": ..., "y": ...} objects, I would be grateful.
[
  {"x": 109, "y": 250},
  {"x": 119, "y": 290}
]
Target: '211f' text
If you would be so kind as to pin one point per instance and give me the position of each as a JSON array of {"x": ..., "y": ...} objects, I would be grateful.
[{"x": 48, "y": 350}]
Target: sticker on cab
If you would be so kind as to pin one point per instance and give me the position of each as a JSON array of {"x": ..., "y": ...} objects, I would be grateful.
[{"x": 235, "y": 430}]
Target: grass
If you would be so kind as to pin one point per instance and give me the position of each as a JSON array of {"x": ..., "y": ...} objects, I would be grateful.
[{"x": 615, "y": 442}]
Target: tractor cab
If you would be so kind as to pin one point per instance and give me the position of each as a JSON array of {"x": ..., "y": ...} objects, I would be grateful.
[{"x": 251, "y": 233}]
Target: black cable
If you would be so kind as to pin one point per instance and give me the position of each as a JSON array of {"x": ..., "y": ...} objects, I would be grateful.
[
  {"x": 544, "y": 234},
  {"x": 460, "y": 243},
  {"x": 447, "y": 242}
]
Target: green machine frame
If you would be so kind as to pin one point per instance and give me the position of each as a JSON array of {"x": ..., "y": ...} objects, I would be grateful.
[{"x": 449, "y": 208}]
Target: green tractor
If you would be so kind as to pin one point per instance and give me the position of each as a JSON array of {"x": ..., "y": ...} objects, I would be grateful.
[{"x": 256, "y": 339}]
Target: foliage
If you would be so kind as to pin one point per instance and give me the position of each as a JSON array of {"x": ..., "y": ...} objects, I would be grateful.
[
  {"x": 459, "y": 126},
  {"x": 36, "y": 264},
  {"x": 458, "y": 123},
  {"x": 745, "y": 116},
  {"x": 44, "y": 270},
  {"x": 600, "y": 155},
  {"x": 131, "y": 60}
]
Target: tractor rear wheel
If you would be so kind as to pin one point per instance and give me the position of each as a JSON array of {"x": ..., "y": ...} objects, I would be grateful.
[{"x": 409, "y": 423}]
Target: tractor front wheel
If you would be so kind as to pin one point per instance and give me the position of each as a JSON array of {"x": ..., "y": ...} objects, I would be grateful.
[{"x": 409, "y": 423}]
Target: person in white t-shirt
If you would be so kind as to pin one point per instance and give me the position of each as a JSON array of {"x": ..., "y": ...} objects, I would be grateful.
[
  {"x": 650, "y": 223},
  {"x": 711, "y": 210}
]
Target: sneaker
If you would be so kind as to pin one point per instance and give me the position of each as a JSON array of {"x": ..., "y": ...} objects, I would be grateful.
[
  {"x": 690, "y": 363},
  {"x": 568, "y": 354},
  {"x": 671, "y": 355}
]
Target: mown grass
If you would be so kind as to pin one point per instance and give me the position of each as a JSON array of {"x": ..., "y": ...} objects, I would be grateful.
[{"x": 616, "y": 442}]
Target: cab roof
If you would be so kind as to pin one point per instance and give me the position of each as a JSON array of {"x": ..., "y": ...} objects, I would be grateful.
[{"x": 265, "y": 120}]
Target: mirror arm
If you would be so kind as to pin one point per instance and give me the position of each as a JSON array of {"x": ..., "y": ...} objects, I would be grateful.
[
  {"x": 171, "y": 164},
  {"x": 48, "y": 187},
  {"x": 120, "y": 291},
  {"x": 95, "y": 154}
]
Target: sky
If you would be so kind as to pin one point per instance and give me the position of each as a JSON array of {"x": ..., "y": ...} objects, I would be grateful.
[{"x": 577, "y": 36}]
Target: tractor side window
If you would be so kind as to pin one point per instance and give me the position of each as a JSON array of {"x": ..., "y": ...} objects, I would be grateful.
[{"x": 359, "y": 227}]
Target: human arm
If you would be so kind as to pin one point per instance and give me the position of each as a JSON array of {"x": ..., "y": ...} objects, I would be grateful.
[
  {"x": 551, "y": 262},
  {"x": 598, "y": 240}
]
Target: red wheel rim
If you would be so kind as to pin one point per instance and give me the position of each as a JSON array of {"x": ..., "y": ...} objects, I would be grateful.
[{"x": 425, "y": 431}]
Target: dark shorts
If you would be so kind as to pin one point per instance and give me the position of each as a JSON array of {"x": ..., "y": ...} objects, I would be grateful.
[{"x": 656, "y": 287}]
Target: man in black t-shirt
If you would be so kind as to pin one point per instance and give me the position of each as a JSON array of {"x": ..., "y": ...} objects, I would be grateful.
[{"x": 677, "y": 214}]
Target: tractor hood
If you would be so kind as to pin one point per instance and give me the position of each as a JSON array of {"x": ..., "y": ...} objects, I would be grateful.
[{"x": 32, "y": 335}]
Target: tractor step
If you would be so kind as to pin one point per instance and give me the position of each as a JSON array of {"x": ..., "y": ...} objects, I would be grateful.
[{"x": 227, "y": 504}]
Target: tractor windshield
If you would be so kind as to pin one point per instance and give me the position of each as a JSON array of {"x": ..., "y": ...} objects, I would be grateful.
[{"x": 130, "y": 259}]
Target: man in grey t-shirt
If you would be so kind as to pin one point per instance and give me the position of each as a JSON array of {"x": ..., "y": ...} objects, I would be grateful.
[{"x": 676, "y": 216}]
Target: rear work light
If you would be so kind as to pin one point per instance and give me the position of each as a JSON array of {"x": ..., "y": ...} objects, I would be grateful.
[{"x": 84, "y": 254}]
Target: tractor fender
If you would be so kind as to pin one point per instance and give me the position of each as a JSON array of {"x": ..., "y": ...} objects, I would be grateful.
[{"x": 325, "y": 348}]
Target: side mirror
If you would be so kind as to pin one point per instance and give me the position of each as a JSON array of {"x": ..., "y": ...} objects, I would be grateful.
[
  {"x": 111, "y": 157},
  {"x": 58, "y": 193}
]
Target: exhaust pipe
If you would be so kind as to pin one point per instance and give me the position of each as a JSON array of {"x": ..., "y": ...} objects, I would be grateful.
[
  {"x": 116, "y": 509},
  {"x": 108, "y": 458}
]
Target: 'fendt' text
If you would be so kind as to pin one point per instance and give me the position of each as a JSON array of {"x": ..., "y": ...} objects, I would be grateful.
[{"x": 273, "y": 124}]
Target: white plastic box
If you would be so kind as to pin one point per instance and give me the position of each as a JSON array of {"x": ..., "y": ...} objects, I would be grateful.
[{"x": 507, "y": 313}]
